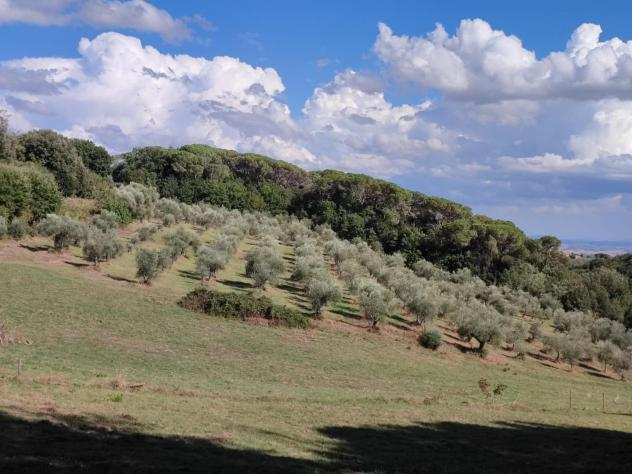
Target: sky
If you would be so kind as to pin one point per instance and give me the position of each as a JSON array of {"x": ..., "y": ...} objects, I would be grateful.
[{"x": 520, "y": 111}]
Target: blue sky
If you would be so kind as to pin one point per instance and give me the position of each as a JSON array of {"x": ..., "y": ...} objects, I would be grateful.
[{"x": 522, "y": 111}]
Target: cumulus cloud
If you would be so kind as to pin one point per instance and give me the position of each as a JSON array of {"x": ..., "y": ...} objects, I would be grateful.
[
  {"x": 123, "y": 94},
  {"x": 138, "y": 15},
  {"x": 481, "y": 64}
]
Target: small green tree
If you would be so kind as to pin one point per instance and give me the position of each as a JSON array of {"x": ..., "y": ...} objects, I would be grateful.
[
  {"x": 147, "y": 265},
  {"x": 321, "y": 290},
  {"x": 606, "y": 351},
  {"x": 64, "y": 230},
  {"x": 376, "y": 302},
  {"x": 264, "y": 265},
  {"x": 101, "y": 246},
  {"x": 209, "y": 261}
]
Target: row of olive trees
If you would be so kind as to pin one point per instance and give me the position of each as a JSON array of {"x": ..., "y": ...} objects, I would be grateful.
[
  {"x": 97, "y": 236},
  {"x": 213, "y": 257},
  {"x": 310, "y": 268},
  {"x": 150, "y": 263},
  {"x": 580, "y": 337}
]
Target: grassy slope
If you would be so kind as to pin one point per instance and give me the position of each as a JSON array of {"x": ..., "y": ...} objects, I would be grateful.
[{"x": 319, "y": 395}]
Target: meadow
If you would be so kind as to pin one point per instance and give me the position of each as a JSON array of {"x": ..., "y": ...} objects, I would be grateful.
[{"x": 105, "y": 373}]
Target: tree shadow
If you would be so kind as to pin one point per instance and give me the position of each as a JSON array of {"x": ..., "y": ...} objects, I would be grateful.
[
  {"x": 235, "y": 284},
  {"x": 344, "y": 312},
  {"x": 97, "y": 444},
  {"x": 189, "y": 275},
  {"x": 77, "y": 264},
  {"x": 94, "y": 443},
  {"x": 36, "y": 248},
  {"x": 459, "y": 447},
  {"x": 120, "y": 278}
]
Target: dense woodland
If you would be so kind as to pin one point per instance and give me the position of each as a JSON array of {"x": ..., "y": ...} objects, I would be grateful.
[{"x": 39, "y": 168}]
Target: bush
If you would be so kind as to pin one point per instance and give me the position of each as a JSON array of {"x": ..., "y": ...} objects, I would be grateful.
[
  {"x": 18, "y": 228},
  {"x": 147, "y": 265},
  {"x": 57, "y": 154},
  {"x": 233, "y": 305},
  {"x": 430, "y": 339},
  {"x": 264, "y": 265},
  {"x": 64, "y": 230},
  {"x": 27, "y": 191}
]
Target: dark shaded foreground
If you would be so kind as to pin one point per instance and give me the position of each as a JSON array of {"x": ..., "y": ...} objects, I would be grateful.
[{"x": 82, "y": 444}]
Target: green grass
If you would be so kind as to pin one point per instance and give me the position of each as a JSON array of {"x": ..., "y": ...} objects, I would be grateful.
[{"x": 119, "y": 366}]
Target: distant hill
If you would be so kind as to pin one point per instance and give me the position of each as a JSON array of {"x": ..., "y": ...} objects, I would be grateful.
[{"x": 590, "y": 247}]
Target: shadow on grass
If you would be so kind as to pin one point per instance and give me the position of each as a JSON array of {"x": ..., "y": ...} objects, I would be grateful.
[
  {"x": 77, "y": 264},
  {"x": 457, "y": 447},
  {"x": 189, "y": 275},
  {"x": 120, "y": 278},
  {"x": 345, "y": 312},
  {"x": 97, "y": 444},
  {"x": 36, "y": 248},
  {"x": 235, "y": 283}
]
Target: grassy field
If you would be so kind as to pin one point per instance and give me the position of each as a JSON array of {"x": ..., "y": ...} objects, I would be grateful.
[{"x": 115, "y": 376}]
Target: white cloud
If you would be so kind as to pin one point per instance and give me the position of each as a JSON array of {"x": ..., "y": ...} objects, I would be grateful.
[
  {"x": 481, "y": 64},
  {"x": 122, "y": 94},
  {"x": 138, "y": 15}
]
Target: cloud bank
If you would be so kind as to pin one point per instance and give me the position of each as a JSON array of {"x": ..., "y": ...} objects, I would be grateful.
[{"x": 493, "y": 124}]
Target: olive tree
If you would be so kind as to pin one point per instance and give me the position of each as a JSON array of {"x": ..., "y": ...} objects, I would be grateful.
[
  {"x": 101, "y": 246},
  {"x": 481, "y": 322},
  {"x": 209, "y": 261},
  {"x": 606, "y": 351},
  {"x": 375, "y": 301},
  {"x": 321, "y": 291},
  {"x": 423, "y": 305},
  {"x": 147, "y": 265},
  {"x": 4, "y": 227},
  {"x": 64, "y": 230},
  {"x": 264, "y": 265}
]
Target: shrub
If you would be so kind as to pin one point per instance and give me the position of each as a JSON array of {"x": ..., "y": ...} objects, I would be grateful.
[
  {"x": 210, "y": 260},
  {"x": 27, "y": 191},
  {"x": 18, "y": 228},
  {"x": 57, "y": 154},
  {"x": 233, "y": 305},
  {"x": 101, "y": 246},
  {"x": 264, "y": 265},
  {"x": 64, "y": 230},
  {"x": 321, "y": 290},
  {"x": 430, "y": 339},
  {"x": 147, "y": 265}
]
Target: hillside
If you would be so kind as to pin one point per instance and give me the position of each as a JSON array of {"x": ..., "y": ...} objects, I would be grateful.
[{"x": 126, "y": 379}]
